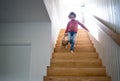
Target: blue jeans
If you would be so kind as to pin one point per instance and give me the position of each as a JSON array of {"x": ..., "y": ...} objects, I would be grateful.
[{"x": 71, "y": 39}]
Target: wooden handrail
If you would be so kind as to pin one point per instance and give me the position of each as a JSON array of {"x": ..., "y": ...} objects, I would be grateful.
[{"x": 112, "y": 34}]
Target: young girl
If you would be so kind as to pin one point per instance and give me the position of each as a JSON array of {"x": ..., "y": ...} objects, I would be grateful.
[{"x": 72, "y": 28}]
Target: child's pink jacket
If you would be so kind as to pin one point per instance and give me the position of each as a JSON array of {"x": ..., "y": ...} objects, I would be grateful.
[{"x": 72, "y": 26}]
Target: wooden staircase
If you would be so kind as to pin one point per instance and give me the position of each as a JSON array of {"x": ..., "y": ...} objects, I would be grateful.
[{"x": 83, "y": 65}]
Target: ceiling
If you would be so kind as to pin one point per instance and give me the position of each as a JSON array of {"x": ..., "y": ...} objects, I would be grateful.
[{"x": 23, "y": 11}]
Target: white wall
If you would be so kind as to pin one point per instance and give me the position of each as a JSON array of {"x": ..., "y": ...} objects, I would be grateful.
[
  {"x": 107, "y": 11},
  {"x": 53, "y": 7},
  {"x": 25, "y": 27},
  {"x": 32, "y": 39},
  {"x": 108, "y": 50},
  {"x": 15, "y": 62},
  {"x": 67, "y": 6}
]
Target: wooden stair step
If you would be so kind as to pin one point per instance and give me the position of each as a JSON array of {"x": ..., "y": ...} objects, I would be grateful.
[
  {"x": 75, "y": 50},
  {"x": 76, "y": 45},
  {"x": 76, "y": 58},
  {"x": 76, "y": 54},
  {"x": 77, "y": 39},
  {"x": 76, "y": 63},
  {"x": 81, "y": 48},
  {"x": 60, "y": 71},
  {"x": 82, "y": 58},
  {"x": 80, "y": 37},
  {"x": 73, "y": 78},
  {"x": 79, "y": 43},
  {"x": 69, "y": 55}
]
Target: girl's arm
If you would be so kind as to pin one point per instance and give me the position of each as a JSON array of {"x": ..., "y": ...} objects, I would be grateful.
[
  {"x": 82, "y": 26},
  {"x": 66, "y": 31}
]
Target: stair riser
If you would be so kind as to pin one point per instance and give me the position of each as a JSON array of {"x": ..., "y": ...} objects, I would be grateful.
[
  {"x": 74, "y": 57},
  {"x": 78, "y": 65},
  {"x": 57, "y": 55},
  {"x": 77, "y": 58},
  {"x": 75, "y": 47},
  {"x": 77, "y": 79},
  {"x": 76, "y": 72},
  {"x": 75, "y": 50},
  {"x": 79, "y": 43},
  {"x": 77, "y": 40}
]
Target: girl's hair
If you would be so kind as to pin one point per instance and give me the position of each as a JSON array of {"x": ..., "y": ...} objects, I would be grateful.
[{"x": 72, "y": 13}]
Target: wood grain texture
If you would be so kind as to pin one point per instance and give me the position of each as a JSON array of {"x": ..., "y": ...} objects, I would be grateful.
[{"x": 83, "y": 65}]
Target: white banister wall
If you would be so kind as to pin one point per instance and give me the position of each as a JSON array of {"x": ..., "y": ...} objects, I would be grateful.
[
  {"x": 108, "y": 12},
  {"x": 53, "y": 8},
  {"x": 108, "y": 50}
]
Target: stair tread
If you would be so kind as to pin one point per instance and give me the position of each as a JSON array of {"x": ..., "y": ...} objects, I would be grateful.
[
  {"x": 73, "y": 58},
  {"x": 73, "y": 68},
  {"x": 75, "y": 49},
  {"x": 64, "y": 71},
  {"x": 77, "y": 58},
  {"x": 76, "y": 63},
  {"x": 77, "y": 78},
  {"x": 70, "y": 60},
  {"x": 76, "y": 54}
]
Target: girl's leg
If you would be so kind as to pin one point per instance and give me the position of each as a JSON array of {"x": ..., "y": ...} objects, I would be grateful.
[
  {"x": 69, "y": 36},
  {"x": 73, "y": 41},
  {"x": 69, "y": 39}
]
